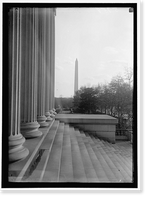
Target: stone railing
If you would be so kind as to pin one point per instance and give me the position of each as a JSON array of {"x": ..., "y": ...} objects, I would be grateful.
[{"x": 125, "y": 132}]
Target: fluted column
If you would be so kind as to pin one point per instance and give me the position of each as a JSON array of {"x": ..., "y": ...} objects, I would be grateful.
[
  {"x": 50, "y": 97},
  {"x": 41, "y": 70},
  {"x": 47, "y": 29},
  {"x": 16, "y": 149},
  {"x": 53, "y": 25},
  {"x": 29, "y": 124},
  {"x": 52, "y": 71}
]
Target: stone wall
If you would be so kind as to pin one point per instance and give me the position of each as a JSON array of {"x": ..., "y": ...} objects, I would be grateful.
[{"x": 104, "y": 126}]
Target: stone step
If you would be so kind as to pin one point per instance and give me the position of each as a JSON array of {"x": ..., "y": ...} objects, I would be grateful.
[
  {"x": 78, "y": 168},
  {"x": 114, "y": 174},
  {"x": 73, "y": 156},
  {"x": 35, "y": 176},
  {"x": 126, "y": 161},
  {"x": 120, "y": 153},
  {"x": 117, "y": 176},
  {"x": 50, "y": 136},
  {"x": 121, "y": 158},
  {"x": 107, "y": 166},
  {"x": 122, "y": 148},
  {"x": 51, "y": 172},
  {"x": 45, "y": 146},
  {"x": 124, "y": 166},
  {"x": 97, "y": 165},
  {"x": 66, "y": 168},
  {"x": 126, "y": 172},
  {"x": 86, "y": 137},
  {"x": 117, "y": 169},
  {"x": 116, "y": 165},
  {"x": 108, "y": 171},
  {"x": 88, "y": 165}
]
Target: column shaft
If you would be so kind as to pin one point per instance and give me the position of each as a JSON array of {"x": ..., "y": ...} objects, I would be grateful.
[
  {"x": 16, "y": 140},
  {"x": 47, "y": 58},
  {"x": 29, "y": 124},
  {"x": 52, "y": 61},
  {"x": 41, "y": 69},
  {"x": 50, "y": 97},
  {"x": 53, "y": 100}
]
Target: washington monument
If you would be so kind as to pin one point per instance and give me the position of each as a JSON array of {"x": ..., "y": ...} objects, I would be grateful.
[{"x": 76, "y": 77}]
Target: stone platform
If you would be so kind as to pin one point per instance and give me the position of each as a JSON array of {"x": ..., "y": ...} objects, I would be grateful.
[{"x": 104, "y": 126}]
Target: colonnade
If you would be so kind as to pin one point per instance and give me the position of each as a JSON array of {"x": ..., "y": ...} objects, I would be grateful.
[{"x": 31, "y": 75}]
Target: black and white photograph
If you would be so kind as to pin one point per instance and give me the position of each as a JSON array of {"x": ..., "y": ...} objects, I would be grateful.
[{"x": 70, "y": 95}]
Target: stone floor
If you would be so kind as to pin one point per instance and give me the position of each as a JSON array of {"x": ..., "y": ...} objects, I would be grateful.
[{"x": 69, "y": 155}]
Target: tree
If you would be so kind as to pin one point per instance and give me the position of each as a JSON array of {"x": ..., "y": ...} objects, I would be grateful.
[
  {"x": 122, "y": 97},
  {"x": 85, "y": 100},
  {"x": 76, "y": 102},
  {"x": 63, "y": 102},
  {"x": 105, "y": 99},
  {"x": 128, "y": 75},
  {"x": 114, "y": 99}
]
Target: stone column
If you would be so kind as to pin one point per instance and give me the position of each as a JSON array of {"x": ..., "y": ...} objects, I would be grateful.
[
  {"x": 29, "y": 124},
  {"x": 16, "y": 149},
  {"x": 50, "y": 94},
  {"x": 41, "y": 70},
  {"x": 53, "y": 25},
  {"x": 52, "y": 71},
  {"x": 47, "y": 32}
]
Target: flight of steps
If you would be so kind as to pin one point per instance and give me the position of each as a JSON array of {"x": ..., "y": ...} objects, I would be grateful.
[{"x": 70, "y": 155}]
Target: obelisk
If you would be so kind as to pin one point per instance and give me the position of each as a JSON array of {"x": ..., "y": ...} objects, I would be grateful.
[{"x": 76, "y": 77}]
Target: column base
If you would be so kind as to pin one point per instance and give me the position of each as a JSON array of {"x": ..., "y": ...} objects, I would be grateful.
[
  {"x": 16, "y": 150},
  {"x": 30, "y": 129},
  {"x": 52, "y": 113},
  {"x": 42, "y": 121},
  {"x": 48, "y": 115}
]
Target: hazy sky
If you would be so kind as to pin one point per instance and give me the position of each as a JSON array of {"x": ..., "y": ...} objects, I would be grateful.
[{"x": 100, "y": 38}]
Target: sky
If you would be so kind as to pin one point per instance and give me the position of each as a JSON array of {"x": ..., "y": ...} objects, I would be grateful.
[{"x": 100, "y": 38}]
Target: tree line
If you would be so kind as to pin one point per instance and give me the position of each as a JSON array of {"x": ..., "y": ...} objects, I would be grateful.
[
  {"x": 114, "y": 98},
  {"x": 63, "y": 103}
]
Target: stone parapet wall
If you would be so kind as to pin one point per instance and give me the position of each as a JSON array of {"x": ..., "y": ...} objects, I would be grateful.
[{"x": 104, "y": 126}]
